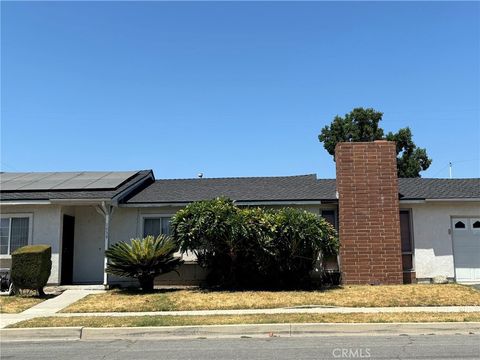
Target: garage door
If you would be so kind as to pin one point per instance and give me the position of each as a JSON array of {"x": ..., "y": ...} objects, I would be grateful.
[{"x": 466, "y": 249}]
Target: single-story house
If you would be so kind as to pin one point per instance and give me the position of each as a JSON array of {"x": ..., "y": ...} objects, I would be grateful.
[{"x": 391, "y": 230}]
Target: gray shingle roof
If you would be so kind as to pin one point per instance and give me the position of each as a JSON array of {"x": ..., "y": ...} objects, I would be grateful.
[
  {"x": 140, "y": 176},
  {"x": 420, "y": 188},
  {"x": 295, "y": 188},
  {"x": 280, "y": 188}
]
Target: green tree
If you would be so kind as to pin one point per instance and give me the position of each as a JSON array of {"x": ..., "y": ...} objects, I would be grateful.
[{"x": 362, "y": 125}]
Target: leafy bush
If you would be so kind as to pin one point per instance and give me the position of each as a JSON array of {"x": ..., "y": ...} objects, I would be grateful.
[
  {"x": 143, "y": 259},
  {"x": 212, "y": 230},
  {"x": 300, "y": 238},
  {"x": 253, "y": 247},
  {"x": 31, "y": 267}
]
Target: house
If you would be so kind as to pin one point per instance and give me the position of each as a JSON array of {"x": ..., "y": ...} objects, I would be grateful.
[{"x": 391, "y": 230}]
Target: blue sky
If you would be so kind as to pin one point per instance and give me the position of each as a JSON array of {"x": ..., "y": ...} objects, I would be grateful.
[{"x": 232, "y": 89}]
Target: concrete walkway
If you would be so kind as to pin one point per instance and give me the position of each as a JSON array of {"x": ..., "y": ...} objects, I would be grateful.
[
  {"x": 46, "y": 308},
  {"x": 294, "y": 310}
]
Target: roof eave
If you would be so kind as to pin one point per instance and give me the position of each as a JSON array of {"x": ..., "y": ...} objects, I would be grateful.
[{"x": 237, "y": 202}]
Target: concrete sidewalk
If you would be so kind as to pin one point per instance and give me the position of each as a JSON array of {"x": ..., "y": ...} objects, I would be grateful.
[
  {"x": 232, "y": 331},
  {"x": 293, "y": 310},
  {"x": 46, "y": 308}
]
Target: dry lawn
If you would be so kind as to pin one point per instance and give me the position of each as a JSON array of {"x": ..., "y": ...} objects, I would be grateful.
[
  {"x": 17, "y": 304},
  {"x": 129, "y": 321},
  {"x": 355, "y": 296}
]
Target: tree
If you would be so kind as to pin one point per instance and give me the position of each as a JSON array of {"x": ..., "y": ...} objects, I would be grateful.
[
  {"x": 143, "y": 259},
  {"x": 363, "y": 125},
  {"x": 253, "y": 247}
]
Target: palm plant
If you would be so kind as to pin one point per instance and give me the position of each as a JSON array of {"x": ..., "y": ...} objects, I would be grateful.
[{"x": 143, "y": 259}]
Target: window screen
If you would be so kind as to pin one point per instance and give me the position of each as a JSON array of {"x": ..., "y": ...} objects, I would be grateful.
[
  {"x": 4, "y": 234},
  {"x": 14, "y": 233},
  {"x": 156, "y": 226},
  {"x": 19, "y": 233}
]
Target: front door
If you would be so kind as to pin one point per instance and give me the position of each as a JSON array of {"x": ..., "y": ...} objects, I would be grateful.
[
  {"x": 466, "y": 249},
  {"x": 67, "y": 249}
]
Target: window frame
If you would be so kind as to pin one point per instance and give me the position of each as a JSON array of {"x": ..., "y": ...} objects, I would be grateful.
[
  {"x": 473, "y": 221},
  {"x": 10, "y": 216},
  {"x": 412, "y": 240},
  {"x": 464, "y": 221},
  {"x": 151, "y": 216}
]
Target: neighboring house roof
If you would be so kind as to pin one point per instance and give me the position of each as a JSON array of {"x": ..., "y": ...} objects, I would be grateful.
[
  {"x": 420, "y": 188},
  {"x": 125, "y": 182},
  {"x": 279, "y": 188}
]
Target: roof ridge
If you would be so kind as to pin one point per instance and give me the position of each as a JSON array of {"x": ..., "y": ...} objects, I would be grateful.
[{"x": 242, "y": 177}]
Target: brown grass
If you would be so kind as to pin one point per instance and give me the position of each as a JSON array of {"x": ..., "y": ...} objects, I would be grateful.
[
  {"x": 129, "y": 321},
  {"x": 17, "y": 304},
  {"x": 355, "y": 296}
]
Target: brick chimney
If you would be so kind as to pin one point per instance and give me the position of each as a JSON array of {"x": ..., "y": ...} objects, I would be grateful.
[{"x": 369, "y": 218}]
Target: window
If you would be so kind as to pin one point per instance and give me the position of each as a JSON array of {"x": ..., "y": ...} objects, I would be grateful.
[
  {"x": 156, "y": 225},
  {"x": 329, "y": 215},
  {"x": 14, "y": 233},
  {"x": 476, "y": 225},
  {"x": 459, "y": 225},
  {"x": 406, "y": 238}
]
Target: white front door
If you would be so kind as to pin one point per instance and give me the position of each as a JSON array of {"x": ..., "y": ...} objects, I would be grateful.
[{"x": 466, "y": 249}]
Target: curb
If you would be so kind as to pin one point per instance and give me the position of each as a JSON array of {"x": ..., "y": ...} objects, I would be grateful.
[
  {"x": 41, "y": 334},
  {"x": 225, "y": 331}
]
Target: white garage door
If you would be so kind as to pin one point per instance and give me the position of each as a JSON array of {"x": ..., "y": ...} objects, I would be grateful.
[{"x": 466, "y": 249}]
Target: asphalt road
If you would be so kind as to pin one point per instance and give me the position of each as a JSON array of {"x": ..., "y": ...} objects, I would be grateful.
[{"x": 294, "y": 348}]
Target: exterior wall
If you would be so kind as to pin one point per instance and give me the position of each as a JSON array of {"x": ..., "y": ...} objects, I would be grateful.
[
  {"x": 46, "y": 229},
  {"x": 369, "y": 228},
  {"x": 127, "y": 224},
  {"x": 432, "y": 239}
]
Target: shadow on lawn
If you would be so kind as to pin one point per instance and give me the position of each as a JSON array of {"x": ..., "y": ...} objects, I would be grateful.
[{"x": 213, "y": 289}]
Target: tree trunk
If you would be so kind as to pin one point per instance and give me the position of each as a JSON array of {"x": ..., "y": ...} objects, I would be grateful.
[{"x": 146, "y": 283}]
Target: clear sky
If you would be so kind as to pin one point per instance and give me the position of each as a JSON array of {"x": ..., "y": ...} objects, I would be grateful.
[{"x": 232, "y": 89}]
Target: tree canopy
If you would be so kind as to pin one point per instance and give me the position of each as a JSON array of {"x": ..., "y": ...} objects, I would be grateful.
[{"x": 362, "y": 125}]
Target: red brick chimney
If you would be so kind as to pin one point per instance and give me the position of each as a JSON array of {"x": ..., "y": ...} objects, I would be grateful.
[{"x": 369, "y": 218}]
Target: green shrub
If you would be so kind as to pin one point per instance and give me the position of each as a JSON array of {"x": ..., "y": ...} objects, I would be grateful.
[
  {"x": 213, "y": 231},
  {"x": 143, "y": 259},
  {"x": 31, "y": 266},
  {"x": 300, "y": 239},
  {"x": 253, "y": 247}
]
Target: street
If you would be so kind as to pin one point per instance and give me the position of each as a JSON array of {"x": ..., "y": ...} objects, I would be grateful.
[{"x": 320, "y": 347}]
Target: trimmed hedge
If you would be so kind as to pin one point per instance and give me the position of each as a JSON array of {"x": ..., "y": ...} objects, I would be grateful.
[{"x": 31, "y": 267}]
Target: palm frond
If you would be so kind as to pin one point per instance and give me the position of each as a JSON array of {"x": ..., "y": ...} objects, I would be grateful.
[{"x": 143, "y": 257}]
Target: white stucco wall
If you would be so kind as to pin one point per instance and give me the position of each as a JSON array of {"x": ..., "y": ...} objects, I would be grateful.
[
  {"x": 431, "y": 235},
  {"x": 127, "y": 224},
  {"x": 46, "y": 229}
]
